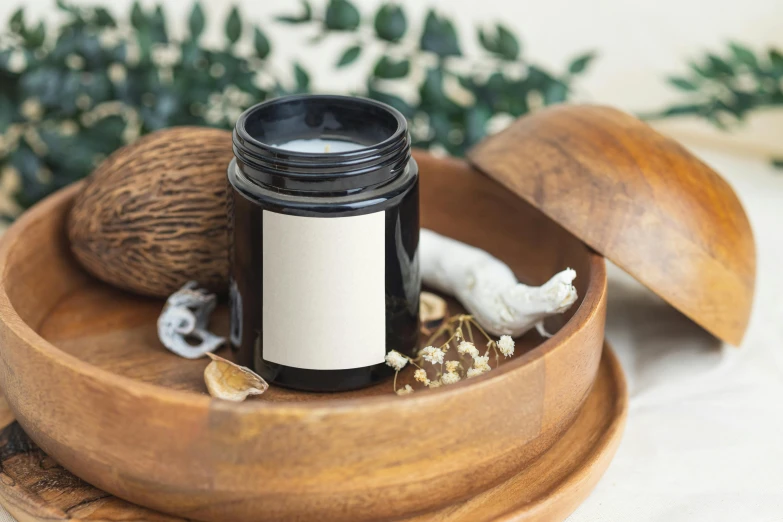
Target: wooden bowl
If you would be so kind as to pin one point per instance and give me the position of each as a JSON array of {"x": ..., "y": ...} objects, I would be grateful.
[
  {"x": 639, "y": 198},
  {"x": 86, "y": 378},
  {"x": 34, "y": 489}
]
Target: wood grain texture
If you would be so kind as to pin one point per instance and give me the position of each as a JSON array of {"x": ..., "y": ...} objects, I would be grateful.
[
  {"x": 153, "y": 215},
  {"x": 640, "y": 199},
  {"x": 108, "y": 415},
  {"x": 35, "y": 489}
]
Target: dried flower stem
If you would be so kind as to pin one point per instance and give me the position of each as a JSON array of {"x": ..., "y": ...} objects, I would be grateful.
[{"x": 450, "y": 372}]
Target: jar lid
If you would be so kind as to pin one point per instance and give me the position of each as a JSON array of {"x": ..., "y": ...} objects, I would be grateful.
[{"x": 638, "y": 198}]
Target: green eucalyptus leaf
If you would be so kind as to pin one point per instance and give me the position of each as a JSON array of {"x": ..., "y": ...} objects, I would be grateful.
[
  {"x": 743, "y": 55},
  {"x": 776, "y": 60},
  {"x": 719, "y": 66},
  {"x": 431, "y": 91},
  {"x": 682, "y": 83},
  {"x": 68, "y": 8},
  {"x": 5, "y": 57},
  {"x": 557, "y": 92},
  {"x": 476, "y": 119},
  {"x": 683, "y": 110},
  {"x": 306, "y": 16},
  {"x": 301, "y": 78},
  {"x": 503, "y": 43},
  {"x": 7, "y": 112},
  {"x": 349, "y": 56},
  {"x": 390, "y": 99},
  {"x": 580, "y": 63},
  {"x": 507, "y": 44},
  {"x": 43, "y": 83},
  {"x": 29, "y": 166},
  {"x": 390, "y": 23},
  {"x": 103, "y": 18},
  {"x": 261, "y": 44},
  {"x": 158, "y": 25},
  {"x": 16, "y": 23},
  {"x": 341, "y": 15},
  {"x": 233, "y": 26},
  {"x": 196, "y": 21},
  {"x": 777, "y": 163},
  {"x": 390, "y": 69},
  {"x": 35, "y": 37},
  {"x": 138, "y": 18},
  {"x": 439, "y": 36}
]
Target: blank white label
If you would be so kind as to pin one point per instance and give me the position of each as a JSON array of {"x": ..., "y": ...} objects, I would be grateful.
[{"x": 324, "y": 291}]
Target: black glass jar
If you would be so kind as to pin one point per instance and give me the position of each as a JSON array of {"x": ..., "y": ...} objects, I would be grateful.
[{"x": 323, "y": 237}]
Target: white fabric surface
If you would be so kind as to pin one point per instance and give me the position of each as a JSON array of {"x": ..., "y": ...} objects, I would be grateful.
[{"x": 704, "y": 438}]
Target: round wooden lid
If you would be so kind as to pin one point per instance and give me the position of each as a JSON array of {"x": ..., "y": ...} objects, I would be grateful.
[{"x": 640, "y": 199}]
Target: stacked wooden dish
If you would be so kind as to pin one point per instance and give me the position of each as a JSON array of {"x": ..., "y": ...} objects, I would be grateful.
[{"x": 85, "y": 376}]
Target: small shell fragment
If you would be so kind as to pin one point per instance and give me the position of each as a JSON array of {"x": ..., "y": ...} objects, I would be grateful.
[
  {"x": 229, "y": 381},
  {"x": 433, "y": 310}
]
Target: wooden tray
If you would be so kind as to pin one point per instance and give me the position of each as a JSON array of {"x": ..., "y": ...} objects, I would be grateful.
[
  {"x": 85, "y": 376},
  {"x": 35, "y": 489}
]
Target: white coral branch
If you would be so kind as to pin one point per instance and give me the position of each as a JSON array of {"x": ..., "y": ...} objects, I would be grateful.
[{"x": 487, "y": 287}]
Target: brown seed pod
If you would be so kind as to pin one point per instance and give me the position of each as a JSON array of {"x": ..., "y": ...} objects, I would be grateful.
[{"x": 152, "y": 216}]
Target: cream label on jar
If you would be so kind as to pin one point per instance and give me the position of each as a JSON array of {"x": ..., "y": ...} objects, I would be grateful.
[{"x": 324, "y": 291}]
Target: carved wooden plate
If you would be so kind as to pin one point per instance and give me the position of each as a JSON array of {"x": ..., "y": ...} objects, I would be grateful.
[
  {"x": 33, "y": 488},
  {"x": 86, "y": 378}
]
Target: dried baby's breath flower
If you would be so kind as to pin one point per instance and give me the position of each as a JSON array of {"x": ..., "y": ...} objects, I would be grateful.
[
  {"x": 396, "y": 360},
  {"x": 481, "y": 363},
  {"x": 405, "y": 391},
  {"x": 432, "y": 354},
  {"x": 434, "y": 384},
  {"x": 458, "y": 334},
  {"x": 475, "y": 372},
  {"x": 452, "y": 366},
  {"x": 466, "y": 347},
  {"x": 506, "y": 345},
  {"x": 421, "y": 376},
  {"x": 450, "y": 378}
]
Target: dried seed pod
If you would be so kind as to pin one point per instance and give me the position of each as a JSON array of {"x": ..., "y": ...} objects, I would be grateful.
[
  {"x": 229, "y": 381},
  {"x": 433, "y": 310}
]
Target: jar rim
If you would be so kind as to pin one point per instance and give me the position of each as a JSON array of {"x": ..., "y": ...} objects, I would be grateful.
[
  {"x": 380, "y": 129},
  {"x": 357, "y": 101}
]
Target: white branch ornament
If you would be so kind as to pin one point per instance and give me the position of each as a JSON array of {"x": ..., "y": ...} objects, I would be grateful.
[{"x": 488, "y": 289}]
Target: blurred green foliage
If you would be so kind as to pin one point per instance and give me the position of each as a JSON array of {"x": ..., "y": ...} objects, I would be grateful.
[
  {"x": 724, "y": 88},
  {"x": 72, "y": 94}
]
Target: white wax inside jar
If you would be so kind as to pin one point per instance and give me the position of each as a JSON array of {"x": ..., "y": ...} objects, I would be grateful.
[{"x": 319, "y": 146}]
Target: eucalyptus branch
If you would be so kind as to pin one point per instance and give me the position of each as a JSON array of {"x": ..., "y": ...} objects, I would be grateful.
[
  {"x": 726, "y": 88},
  {"x": 54, "y": 78}
]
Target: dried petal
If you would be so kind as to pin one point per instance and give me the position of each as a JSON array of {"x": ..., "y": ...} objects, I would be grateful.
[
  {"x": 450, "y": 378},
  {"x": 432, "y": 311},
  {"x": 432, "y": 354},
  {"x": 506, "y": 345},
  {"x": 229, "y": 381},
  {"x": 452, "y": 366},
  {"x": 396, "y": 360},
  {"x": 481, "y": 362},
  {"x": 475, "y": 372},
  {"x": 421, "y": 376},
  {"x": 405, "y": 391},
  {"x": 467, "y": 347}
]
